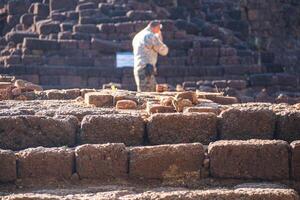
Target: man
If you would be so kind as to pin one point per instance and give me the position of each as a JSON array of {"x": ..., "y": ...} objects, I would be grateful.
[{"x": 147, "y": 44}]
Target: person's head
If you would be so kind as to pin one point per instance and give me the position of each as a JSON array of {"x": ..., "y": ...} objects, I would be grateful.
[{"x": 155, "y": 26}]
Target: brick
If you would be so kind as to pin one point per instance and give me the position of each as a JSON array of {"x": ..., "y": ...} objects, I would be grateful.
[
  {"x": 126, "y": 104},
  {"x": 85, "y": 6},
  {"x": 288, "y": 126},
  {"x": 104, "y": 46},
  {"x": 27, "y": 19},
  {"x": 47, "y": 27},
  {"x": 62, "y": 4},
  {"x": 105, "y": 162},
  {"x": 188, "y": 95},
  {"x": 252, "y": 159},
  {"x": 68, "y": 44},
  {"x": 223, "y": 100},
  {"x": 202, "y": 110},
  {"x": 40, "y": 44},
  {"x": 41, "y": 10},
  {"x": 17, "y": 7},
  {"x": 295, "y": 160},
  {"x": 98, "y": 99},
  {"x": 174, "y": 162},
  {"x": 182, "y": 128},
  {"x": 46, "y": 163},
  {"x": 140, "y": 15},
  {"x": 157, "y": 108},
  {"x": 247, "y": 123},
  {"x": 20, "y": 132},
  {"x": 17, "y": 37},
  {"x": 85, "y": 28},
  {"x": 107, "y": 28},
  {"x": 8, "y": 168},
  {"x": 112, "y": 128}
]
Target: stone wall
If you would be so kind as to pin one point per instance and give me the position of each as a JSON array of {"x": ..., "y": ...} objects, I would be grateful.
[
  {"x": 207, "y": 39},
  {"x": 182, "y": 163},
  {"x": 18, "y": 132}
]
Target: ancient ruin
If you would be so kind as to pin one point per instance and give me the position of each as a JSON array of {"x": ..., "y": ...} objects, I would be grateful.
[{"x": 224, "y": 122}]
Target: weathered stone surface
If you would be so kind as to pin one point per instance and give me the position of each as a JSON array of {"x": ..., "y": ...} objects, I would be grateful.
[
  {"x": 126, "y": 104},
  {"x": 182, "y": 128},
  {"x": 247, "y": 123},
  {"x": 288, "y": 126},
  {"x": 112, "y": 128},
  {"x": 47, "y": 27},
  {"x": 251, "y": 159},
  {"x": 27, "y": 19},
  {"x": 295, "y": 161},
  {"x": 104, "y": 46},
  {"x": 45, "y": 163},
  {"x": 202, "y": 110},
  {"x": 255, "y": 191},
  {"x": 192, "y": 96},
  {"x": 174, "y": 162},
  {"x": 98, "y": 99},
  {"x": 107, "y": 161},
  {"x": 8, "y": 168},
  {"x": 17, "y": 37},
  {"x": 157, "y": 108},
  {"x": 62, "y": 4},
  {"x": 223, "y": 100},
  {"x": 39, "y": 44},
  {"x": 20, "y": 132},
  {"x": 17, "y": 7},
  {"x": 85, "y": 28}
]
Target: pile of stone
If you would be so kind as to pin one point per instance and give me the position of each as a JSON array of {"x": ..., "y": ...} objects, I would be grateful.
[{"x": 12, "y": 88}]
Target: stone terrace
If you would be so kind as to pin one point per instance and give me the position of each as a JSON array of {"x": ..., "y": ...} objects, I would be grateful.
[{"x": 73, "y": 43}]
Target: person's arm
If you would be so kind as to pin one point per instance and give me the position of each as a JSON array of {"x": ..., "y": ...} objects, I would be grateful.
[{"x": 159, "y": 46}]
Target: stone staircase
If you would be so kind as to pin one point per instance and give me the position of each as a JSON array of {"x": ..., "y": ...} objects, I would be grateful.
[
  {"x": 60, "y": 149},
  {"x": 73, "y": 43}
]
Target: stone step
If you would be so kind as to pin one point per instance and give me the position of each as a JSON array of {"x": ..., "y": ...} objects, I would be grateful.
[
  {"x": 116, "y": 192},
  {"x": 75, "y": 125},
  {"x": 177, "y": 164}
]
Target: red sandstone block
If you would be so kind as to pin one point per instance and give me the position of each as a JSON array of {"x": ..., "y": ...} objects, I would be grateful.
[
  {"x": 85, "y": 28},
  {"x": 107, "y": 28},
  {"x": 106, "y": 161},
  {"x": 124, "y": 27},
  {"x": 126, "y": 104},
  {"x": 20, "y": 132},
  {"x": 182, "y": 128},
  {"x": 98, "y": 99},
  {"x": 288, "y": 125},
  {"x": 112, "y": 128},
  {"x": 223, "y": 100},
  {"x": 104, "y": 46},
  {"x": 44, "y": 163},
  {"x": 251, "y": 159},
  {"x": 167, "y": 162},
  {"x": 157, "y": 108},
  {"x": 8, "y": 168},
  {"x": 247, "y": 123},
  {"x": 295, "y": 146},
  {"x": 40, "y": 44},
  {"x": 62, "y": 4}
]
